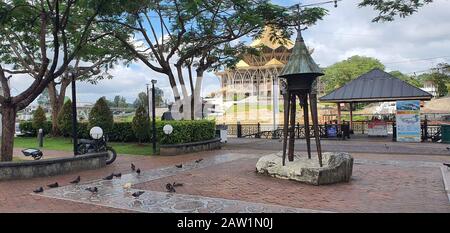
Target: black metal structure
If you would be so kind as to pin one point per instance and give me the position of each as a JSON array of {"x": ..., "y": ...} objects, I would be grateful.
[
  {"x": 153, "y": 117},
  {"x": 300, "y": 74},
  {"x": 74, "y": 116}
]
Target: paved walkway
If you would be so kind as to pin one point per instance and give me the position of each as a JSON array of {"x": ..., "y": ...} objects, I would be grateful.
[{"x": 225, "y": 181}]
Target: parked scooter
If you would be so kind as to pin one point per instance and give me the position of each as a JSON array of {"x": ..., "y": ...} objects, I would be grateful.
[
  {"x": 97, "y": 144},
  {"x": 35, "y": 153}
]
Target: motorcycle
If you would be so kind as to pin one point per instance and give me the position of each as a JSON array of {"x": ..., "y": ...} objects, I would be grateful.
[
  {"x": 98, "y": 144},
  {"x": 35, "y": 153}
]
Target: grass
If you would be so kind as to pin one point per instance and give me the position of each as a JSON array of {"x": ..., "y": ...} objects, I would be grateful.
[{"x": 65, "y": 144}]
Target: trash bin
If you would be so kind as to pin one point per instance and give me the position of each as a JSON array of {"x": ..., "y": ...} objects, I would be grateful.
[
  {"x": 223, "y": 132},
  {"x": 445, "y": 132}
]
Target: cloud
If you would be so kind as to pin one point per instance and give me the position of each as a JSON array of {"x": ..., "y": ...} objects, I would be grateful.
[{"x": 346, "y": 31}]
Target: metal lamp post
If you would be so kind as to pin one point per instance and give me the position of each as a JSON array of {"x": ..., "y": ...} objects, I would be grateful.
[
  {"x": 153, "y": 117},
  {"x": 74, "y": 115}
]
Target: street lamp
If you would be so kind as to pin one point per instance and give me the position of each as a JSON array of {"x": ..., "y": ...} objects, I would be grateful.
[
  {"x": 153, "y": 117},
  {"x": 74, "y": 114}
]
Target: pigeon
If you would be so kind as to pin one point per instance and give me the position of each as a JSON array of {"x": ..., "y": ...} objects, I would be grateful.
[
  {"x": 137, "y": 194},
  {"x": 39, "y": 190},
  {"x": 110, "y": 177},
  {"x": 76, "y": 181},
  {"x": 387, "y": 147},
  {"x": 133, "y": 167},
  {"x": 54, "y": 185},
  {"x": 118, "y": 175},
  {"x": 198, "y": 160},
  {"x": 138, "y": 171},
  {"x": 170, "y": 188},
  {"x": 179, "y": 165},
  {"x": 447, "y": 164},
  {"x": 448, "y": 148},
  {"x": 175, "y": 184},
  {"x": 92, "y": 189}
]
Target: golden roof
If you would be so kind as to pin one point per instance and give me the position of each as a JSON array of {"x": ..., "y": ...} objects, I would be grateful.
[
  {"x": 266, "y": 41},
  {"x": 274, "y": 61}
]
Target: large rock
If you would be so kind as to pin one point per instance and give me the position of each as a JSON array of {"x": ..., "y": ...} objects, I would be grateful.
[{"x": 337, "y": 167}]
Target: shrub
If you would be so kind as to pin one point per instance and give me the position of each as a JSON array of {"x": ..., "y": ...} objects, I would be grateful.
[
  {"x": 28, "y": 129},
  {"x": 101, "y": 116},
  {"x": 65, "y": 119},
  {"x": 141, "y": 124},
  {"x": 39, "y": 119},
  {"x": 186, "y": 131}
]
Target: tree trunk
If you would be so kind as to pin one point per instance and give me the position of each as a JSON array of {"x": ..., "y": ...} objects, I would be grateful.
[
  {"x": 8, "y": 130},
  {"x": 197, "y": 96},
  {"x": 56, "y": 107}
]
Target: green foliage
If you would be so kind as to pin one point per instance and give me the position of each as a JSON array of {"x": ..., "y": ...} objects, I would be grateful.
[
  {"x": 388, "y": 9},
  {"x": 65, "y": 119},
  {"x": 344, "y": 71},
  {"x": 141, "y": 124},
  {"x": 101, "y": 116},
  {"x": 186, "y": 131},
  {"x": 39, "y": 119},
  {"x": 29, "y": 130},
  {"x": 413, "y": 80},
  {"x": 439, "y": 80}
]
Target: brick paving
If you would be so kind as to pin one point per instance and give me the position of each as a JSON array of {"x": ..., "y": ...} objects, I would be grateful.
[
  {"x": 373, "y": 188},
  {"x": 384, "y": 180}
]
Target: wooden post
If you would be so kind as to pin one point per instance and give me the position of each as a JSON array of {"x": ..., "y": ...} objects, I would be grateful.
[
  {"x": 292, "y": 129},
  {"x": 313, "y": 101},
  {"x": 286, "y": 124},
  {"x": 304, "y": 102},
  {"x": 339, "y": 113},
  {"x": 351, "y": 116}
]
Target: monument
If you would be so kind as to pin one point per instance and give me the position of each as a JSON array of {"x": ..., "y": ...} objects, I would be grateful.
[{"x": 299, "y": 78}]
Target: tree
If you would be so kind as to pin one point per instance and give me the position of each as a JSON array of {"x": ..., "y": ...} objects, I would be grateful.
[
  {"x": 65, "y": 119},
  {"x": 409, "y": 79},
  {"x": 439, "y": 80},
  {"x": 344, "y": 71},
  {"x": 39, "y": 118},
  {"x": 142, "y": 98},
  {"x": 41, "y": 39},
  {"x": 141, "y": 123},
  {"x": 388, "y": 9},
  {"x": 190, "y": 29},
  {"x": 101, "y": 116}
]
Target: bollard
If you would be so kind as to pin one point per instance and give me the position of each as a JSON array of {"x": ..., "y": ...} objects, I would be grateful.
[
  {"x": 239, "y": 129},
  {"x": 41, "y": 138},
  {"x": 258, "y": 133}
]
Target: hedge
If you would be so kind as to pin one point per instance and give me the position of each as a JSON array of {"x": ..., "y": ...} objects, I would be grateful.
[{"x": 183, "y": 131}]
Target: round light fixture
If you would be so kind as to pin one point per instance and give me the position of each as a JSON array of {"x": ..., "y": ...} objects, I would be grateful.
[
  {"x": 96, "y": 132},
  {"x": 167, "y": 129}
]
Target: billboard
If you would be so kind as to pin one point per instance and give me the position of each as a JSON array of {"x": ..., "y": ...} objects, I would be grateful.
[{"x": 408, "y": 121}]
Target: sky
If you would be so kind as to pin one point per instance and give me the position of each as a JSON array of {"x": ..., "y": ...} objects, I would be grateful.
[{"x": 411, "y": 45}]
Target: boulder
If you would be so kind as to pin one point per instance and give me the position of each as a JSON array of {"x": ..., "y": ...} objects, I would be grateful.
[{"x": 337, "y": 167}]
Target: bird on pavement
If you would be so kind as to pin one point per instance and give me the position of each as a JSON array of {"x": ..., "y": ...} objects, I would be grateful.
[
  {"x": 118, "y": 175},
  {"x": 92, "y": 189},
  {"x": 179, "y": 165},
  {"x": 447, "y": 164},
  {"x": 110, "y": 177},
  {"x": 137, "y": 194},
  {"x": 54, "y": 185},
  {"x": 138, "y": 171},
  {"x": 170, "y": 188},
  {"x": 76, "y": 181},
  {"x": 39, "y": 190},
  {"x": 175, "y": 184},
  {"x": 448, "y": 148},
  {"x": 133, "y": 167},
  {"x": 198, "y": 160}
]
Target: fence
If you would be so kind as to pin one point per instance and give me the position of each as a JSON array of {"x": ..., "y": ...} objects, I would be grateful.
[{"x": 429, "y": 132}]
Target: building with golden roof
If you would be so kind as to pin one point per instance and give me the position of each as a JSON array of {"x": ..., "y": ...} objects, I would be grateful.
[{"x": 255, "y": 75}]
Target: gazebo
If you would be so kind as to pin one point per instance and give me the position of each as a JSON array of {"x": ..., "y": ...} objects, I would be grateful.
[{"x": 374, "y": 86}]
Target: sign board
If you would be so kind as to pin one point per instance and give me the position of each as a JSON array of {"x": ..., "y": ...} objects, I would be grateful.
[
  {"x": 332, "y": 130},
  {"x": 408, "y": 121},
  {"x": 378, "y": 128}
]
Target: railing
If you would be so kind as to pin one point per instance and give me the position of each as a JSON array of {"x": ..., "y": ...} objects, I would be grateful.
[{"x": 429, "y": 132}]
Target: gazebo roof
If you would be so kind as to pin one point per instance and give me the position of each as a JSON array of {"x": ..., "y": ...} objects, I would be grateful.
[{"x": 376, "y": 86}]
